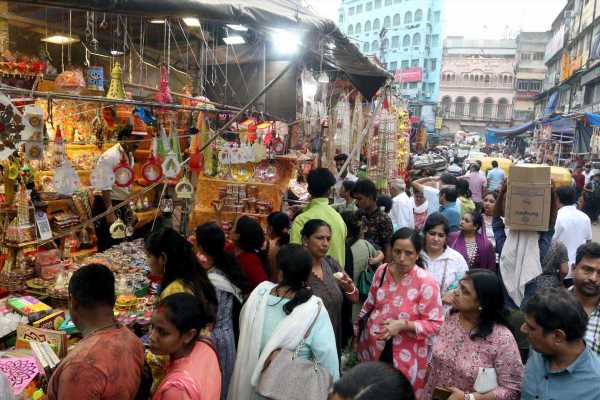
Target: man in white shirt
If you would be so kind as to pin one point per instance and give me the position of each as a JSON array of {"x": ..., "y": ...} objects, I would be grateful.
[
  {"x": 402, "y": 208},
  {"x": 573, "y": 227}
]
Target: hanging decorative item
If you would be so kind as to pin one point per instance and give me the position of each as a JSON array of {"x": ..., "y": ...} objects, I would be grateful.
[
  {"x": 184, "y": 189},
  {"x": 10, "y": 127},
  {"x": 123, "y": 174},
  {"x": 152, "y": 169},
  {"x": 58, "y": 151},
  {"x": 118, "y": 230},
  {"x": 171, "y": 165},
  {"x": 341, "y": 126},
  {"x": 32, "y": 134},
  {"x": 116, "y": 90},
  {"x": 162, "y": 147},
  {"x": 102, "y": 177},
  {"x": 196, "y": 162},
  {"x": 95, "y": 78},
  {"x": 164, "y": 92},
  {"x": 70, "y": 81},
  {"x": 22, "y": 207},
  {"x": 66, "y": 180}
]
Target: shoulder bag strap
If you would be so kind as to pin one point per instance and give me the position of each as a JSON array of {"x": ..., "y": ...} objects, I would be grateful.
[
  {"x": 314, "y": 322},
  {"x": 444, "y": 276}
]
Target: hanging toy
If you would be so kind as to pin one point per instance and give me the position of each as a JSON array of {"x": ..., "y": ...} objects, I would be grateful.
[
  {"x": 118, "y": 230},
  {"x": 116, "y": 89},
  {"x": 184, "y": 189},
  {"x": 152, "y": 169},
  {"x": 164, "y": 92},
  {"x": 123, "y": 174}
]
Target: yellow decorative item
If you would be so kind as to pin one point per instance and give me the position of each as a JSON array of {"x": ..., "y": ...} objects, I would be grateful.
[
  {"x": 184, "y": 189},
  {"x": 118, "y": 230},
  {"x": 116, "y": 89}
]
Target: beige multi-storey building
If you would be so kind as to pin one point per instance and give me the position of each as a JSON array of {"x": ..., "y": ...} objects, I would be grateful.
[{"x": 477, "y": 84}]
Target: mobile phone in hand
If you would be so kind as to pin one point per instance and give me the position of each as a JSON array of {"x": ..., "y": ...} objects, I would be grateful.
[{"x": 441, "y": 394}]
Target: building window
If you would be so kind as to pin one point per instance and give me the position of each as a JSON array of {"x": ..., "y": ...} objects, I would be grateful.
[
  {"x": 459, "y": 107},
  {"x": 529, "y": 85},
  {"x": 474, "y": 107},
  {"x": 526, "y": 56},
  {"x": 341, "y": 19},
  {"x": 397, "y": 20},
  {"x": 418, "y": 15},
  {"x": 387, "y": 22},
  {"x": 397, "y": 1},
  {"x": 377, "y": 3},
  {"x": 425, "y": 64},
  {"x": 435, "y": 40},
  {"x": 395, "y": 42},
  {"x": 393, "y": 65},
  {"x": 404, "y": 64},
  {"x": 437, "y": 17},
  {"x": 408, "y": 17},
  {"x": 488, "y": 107},
  {"x": 374, "y": 46},
  {"x": 388, "y": 2},
  {"x": 405, "y": 85},
  {"x": 414, "y": 63},
  {"x": 413, "y": 85},
  {"x": 446, "y": 104},
  {"x": 359, "y": 9},
  {"x": 369, "y": 6},
  {"x": 416, "y": 39},
  {"x": 366, "y": 48},
  {"x": 350, "y": 30},
  {"x": 368, "y": 26},
  {"x": 351, "y": 11},
  {"x": 539, "y": 56},
  {"x": 385, "y": 44},
  {"x": 358, "y": 28},
  {"x": 431, "y": 88},
  {"x": 433, "y": 64},
  {"x": 429, "y": 14},
  {"x": 502, "y": 109},
  {"x": 384, "y": 65},
  {"x": 406, "y": 41},
  {"x": 376, "y": 25}
]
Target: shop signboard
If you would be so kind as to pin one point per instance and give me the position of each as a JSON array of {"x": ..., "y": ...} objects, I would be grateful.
[{"x": 413, "y": 74}]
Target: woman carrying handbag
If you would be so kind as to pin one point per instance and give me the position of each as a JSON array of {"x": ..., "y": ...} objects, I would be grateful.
[{"x": 284, "y": 334}]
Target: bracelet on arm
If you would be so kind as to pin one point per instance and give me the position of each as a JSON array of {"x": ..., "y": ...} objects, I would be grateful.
[{"x": 352, "y": 292}]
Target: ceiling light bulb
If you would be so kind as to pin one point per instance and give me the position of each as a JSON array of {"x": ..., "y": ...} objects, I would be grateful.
[
  {"x": 239, "y": 28},
  {"x": 116, "y": 53},
  {"x": 60, "y": 39},
  {"x": 231, "y": 40},
  {"x": 192, "y": 22},
  {"x": 157, "y": 21}
]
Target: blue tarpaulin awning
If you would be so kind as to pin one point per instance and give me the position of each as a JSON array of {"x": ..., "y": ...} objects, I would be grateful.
[
  {"x": 593, "y": 119},
  {"x": 516, "y": 130}
]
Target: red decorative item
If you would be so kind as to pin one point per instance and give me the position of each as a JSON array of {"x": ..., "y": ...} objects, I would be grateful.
[
  {"x": 123, "y": 174},
  {"x": 196, "y": 163},
  {"x": 164, "y": 93},
  {"x": 152, "y": 170}
]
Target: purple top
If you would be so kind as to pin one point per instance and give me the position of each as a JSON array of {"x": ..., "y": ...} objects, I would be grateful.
[{"x": 485, "y": 257}]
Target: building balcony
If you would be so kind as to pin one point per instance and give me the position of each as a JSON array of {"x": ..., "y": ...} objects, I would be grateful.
[
  {"x": 477, "y": 112},
  {"x": 476, "y": 84}
]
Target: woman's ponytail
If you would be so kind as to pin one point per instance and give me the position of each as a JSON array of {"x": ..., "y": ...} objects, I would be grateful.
[{"x": 295, "y": 264}]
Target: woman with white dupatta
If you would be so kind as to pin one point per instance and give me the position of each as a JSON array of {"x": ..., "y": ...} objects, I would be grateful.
[{"x": 278, "y": 316}]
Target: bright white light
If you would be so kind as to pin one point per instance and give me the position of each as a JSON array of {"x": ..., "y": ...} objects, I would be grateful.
[
  {"x": 285, "y": 42},
  {"x": 323, "y": 77},
  {"x": 60, "y": 39},
  {"x": 116, "y": 53},
  {"x": 239, "y": 28},
  {"x": 157, "y": 21},
  {"x": 192, "y": 22},
  {"x": 231, "y": 40}
]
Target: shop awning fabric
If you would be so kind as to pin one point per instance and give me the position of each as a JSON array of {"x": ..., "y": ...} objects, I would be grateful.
[
  {"x": 517, "y": 130},
  {"x": 259, "y": 15}
]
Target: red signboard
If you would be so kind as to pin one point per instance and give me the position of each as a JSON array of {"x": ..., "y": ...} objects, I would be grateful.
[
  {"x": 414, "y": 74},
  {"x": 523, "y": 94}
]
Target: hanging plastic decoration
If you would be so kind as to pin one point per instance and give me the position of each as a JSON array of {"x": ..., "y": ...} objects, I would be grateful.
[
  {"x": 358, "y": 124},
  {"x": 171, "y": 165},
  {"x": 341, "y": 126},
  {"x": 66, "y": 180},
  {"x": 58, "y": 152},
  {"x": 118, "y": 230},
  {"x": 102, "y": 177},
  {"x": 164, "y": 92},
  {"x": 123, "y": 174},
  {"x": 184, "y": 189},
  {"x": 152, "y": 169},
  {"x": 163, "y": 147},
  {"x": 116, "y": 90}
]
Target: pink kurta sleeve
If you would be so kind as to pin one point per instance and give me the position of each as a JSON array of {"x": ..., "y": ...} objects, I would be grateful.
[
  {"x": 370, "y": 302},
  {"x": 509, "y": 368},
  {"x": 429, "y": 307}
]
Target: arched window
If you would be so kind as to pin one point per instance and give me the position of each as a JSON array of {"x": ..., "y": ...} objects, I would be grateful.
[
  {"x": 474, "y": 107},
  {"x": 446, "y": 104},
  {"x": 416, "y": 41},
  {"x": 358, "y": 28},
  {"x": 502, "y": 109},
  {"x": 418, "y": 15},
  {"x": 376, "y": 25},
  {"x": 395, "y": 42},
  {"x": 387, "y": 22},
  {"x": 459, "y": 107},
  {"x": 397, "y": 20},
  {"x": 375, "y": 46},
  {"x": 366, "y": 48},
  {"x": 488, "y": 106},
  {"x": 368, "y": 26},
  {"x": 408, "y": 17},
  {"x": 350, "y": 30},
  {"x": 406, "y": 41},
  {"x": 385, "y": 44}
]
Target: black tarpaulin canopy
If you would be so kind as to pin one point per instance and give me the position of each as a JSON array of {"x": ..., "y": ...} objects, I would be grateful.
[{"x": 259, "y": 15}]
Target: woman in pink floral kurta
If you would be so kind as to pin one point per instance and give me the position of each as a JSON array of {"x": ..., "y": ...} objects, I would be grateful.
[{"x": 413, "y": 301}]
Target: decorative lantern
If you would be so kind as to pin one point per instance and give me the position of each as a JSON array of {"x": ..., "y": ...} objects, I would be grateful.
[
  {"x": 116, "y": 89},
  {"x": 164, "y": 92},
  {"x": 123, "y": 174},
  {"x": 184, "y": 189}
]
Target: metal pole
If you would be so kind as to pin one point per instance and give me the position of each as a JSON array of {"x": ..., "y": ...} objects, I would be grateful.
[{"x": 254, "y": 99}]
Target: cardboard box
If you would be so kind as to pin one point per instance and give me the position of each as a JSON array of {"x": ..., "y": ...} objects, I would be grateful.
[{"x": 528, "y": 198}]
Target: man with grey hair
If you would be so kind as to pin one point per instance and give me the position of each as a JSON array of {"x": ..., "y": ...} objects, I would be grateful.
[{"x": 402, "y": 211}]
